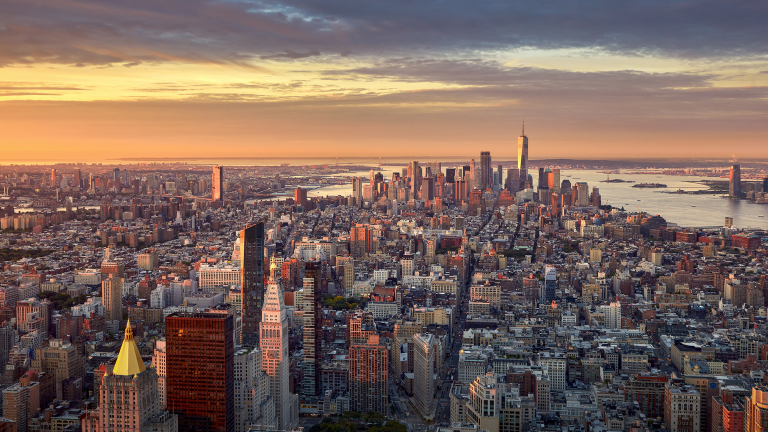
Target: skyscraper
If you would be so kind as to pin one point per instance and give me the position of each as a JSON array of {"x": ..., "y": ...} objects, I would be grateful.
[
  {"x": 472, "y": 174},
  {"x": 254, "y": 406},
  {"x": 217, "y": 183},
  {"x": 486, "y": 175},
  {"x": 512, "y": 182},
  {"x": 128, "y": 396},
  {"x": 424, "y": 372},
  {"x": 734, "y": 181},
  {"x": 112, "y": 294},
  {"x": 251, "y": 282},
  {"x": 200, "y": 360},
  {"x": 300, "y": 197},
  {"x": 550, "y": 284},
  {"x": 368, "y": 376},
  {"x": 415, "y": 176},
  {"x": 522, "y": 157},
  {"x": 276, "y": 359},
  {"x": 77, "y": 178},
  {"x": 313, "y": 331},
  {"x": 53, "y": 177}
]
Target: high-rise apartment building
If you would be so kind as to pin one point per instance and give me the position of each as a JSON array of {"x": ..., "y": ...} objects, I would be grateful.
[
  {"x": 403, "y": 338},
  {"x": 200, "y": 367},
  {"x": 424, "y": 373},
  {"x": 522, "y": 157},
  {"x": 217, "y": 183},
  {"x": 251, "y": 282},
  {"x": 368, "y": 376},
  {"x": 555, "y": 365},
  {"x": 734, "y": 181},
  {"x": 486, "y": 173},
  {"x": 313, "y": 331},
  {"x": 276, "y": 360},
  {"x": 147, "y": 260},
  {"x": 112, "y": 298}
]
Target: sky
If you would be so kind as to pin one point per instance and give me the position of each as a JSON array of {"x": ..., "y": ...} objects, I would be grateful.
[{"x": 96, "y": 80}]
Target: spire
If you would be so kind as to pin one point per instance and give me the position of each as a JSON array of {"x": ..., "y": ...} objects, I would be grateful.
[
  {"x": 523, "y": 127},
  {"x": 129, "y": 360}
]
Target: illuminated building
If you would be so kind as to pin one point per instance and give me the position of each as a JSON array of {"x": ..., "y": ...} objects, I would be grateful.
[
  {"x": 368, "y": 376},
  {"x": 217, "y": 183},
  {"x": 199, "y": 363}
]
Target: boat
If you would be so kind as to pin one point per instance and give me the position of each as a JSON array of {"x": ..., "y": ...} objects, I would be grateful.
[
  {"x": 759, "y": 215},
  {"x": 693, "y": 206}
]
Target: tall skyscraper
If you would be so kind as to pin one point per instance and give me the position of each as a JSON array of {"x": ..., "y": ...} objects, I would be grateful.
[
  {"x": 313, "y": 331},
  {"x": 53, "y": 177},
  {"x": 734, "y": 181},
  {"x": 251, "y": 282},
  {"x": 522, "y": 157},
  {"x": 276, "y": 358},
  {"x": 300, "y": 197},
  {"x": 112, "y": 295},
  {"x": 415, "y": 176},
  {"x": 368, "y": 376},
  {"x": 200, "y": 360},
  {"x": 77, "y": 178},
  {"x": 217, "y": 183},
  {"x": 486, "y": 175},
  {"x": 472, "y": 174}
]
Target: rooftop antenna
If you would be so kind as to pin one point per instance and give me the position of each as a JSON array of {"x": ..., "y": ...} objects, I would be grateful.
[{"x": 523, "y": 127}]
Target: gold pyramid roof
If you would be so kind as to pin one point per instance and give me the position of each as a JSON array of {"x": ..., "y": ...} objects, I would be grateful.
[{"x": 129, "y": 360}]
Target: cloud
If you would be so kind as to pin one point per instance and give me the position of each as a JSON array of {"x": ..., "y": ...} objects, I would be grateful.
[
  {"x": 93, "y": 32},
  {"x": 290, "y": 54}
]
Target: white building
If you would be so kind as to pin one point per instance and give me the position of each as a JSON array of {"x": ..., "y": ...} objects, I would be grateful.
[
  {"x": 254, "y": 405},
  {"x": 555, "y": 366},
  {"x": 217, "y": 276}
]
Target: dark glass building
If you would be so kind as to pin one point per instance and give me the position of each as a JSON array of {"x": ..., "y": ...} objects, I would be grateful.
[
  {"x": 251, "y": 282},
  {"x": 200, "y": 370}
]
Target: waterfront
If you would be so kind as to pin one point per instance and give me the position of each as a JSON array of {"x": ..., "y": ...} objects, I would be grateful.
[{"x": 686, "y": 210}]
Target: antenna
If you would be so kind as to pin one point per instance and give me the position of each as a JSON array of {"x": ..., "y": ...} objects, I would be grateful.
[{"x": 523, "y": 127}]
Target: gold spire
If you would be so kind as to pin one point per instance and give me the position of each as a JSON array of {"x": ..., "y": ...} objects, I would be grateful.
[{"x": 129, "y": 360}]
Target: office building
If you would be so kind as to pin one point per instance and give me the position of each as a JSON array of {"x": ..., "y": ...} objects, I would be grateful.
[
  {"x": 756, "y": 410},
  {"x": 300, "y": 197},
  {"x": 159, "y": 362},
  {"x": 486, "y": 173},
  {"x": 128, "y": 396},
  {"x": 217, "y": 183},
  {"x": 368, "y": 376},
  {"x": 62, "y": 360},
  {"x": 415, "y": 176},
  {"x": 199, "y": 361},
  {"x": 424, "y": 373},
  {"x": 554, "y": 365},
  {"x": 254, "y": 406},
  {"x": 276, "y": 358},
  {"x": 112, "y": 298},
  {"x": 522, "y": 158},
  {"x": 251, "y": 282},
  {"x": 648, "y": 391},
  {"x": 734, "y": 181},
  {"x": 550, "y": 284},
  {"x": 313, "y": 330},
  {"x": 682, "y": 410}
]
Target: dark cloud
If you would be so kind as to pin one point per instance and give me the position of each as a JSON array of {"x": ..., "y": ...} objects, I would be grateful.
[
  {"x": 290, "y": 54},
  {"x": 93, "y": 32},
  {"x": 16, "y": 86}
]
